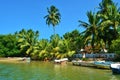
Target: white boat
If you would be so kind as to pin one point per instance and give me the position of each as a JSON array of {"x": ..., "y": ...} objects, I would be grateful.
[
  {"x": 115, "y": 68},
  {"x": 63, "y": 60}
]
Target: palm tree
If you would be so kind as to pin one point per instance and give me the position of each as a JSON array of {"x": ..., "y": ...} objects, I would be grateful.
[
  {"x": 43, "y": 49},
  {"x": 109, "y": 13},
  {"x": 54, "y": 40},
  {"x": 104, "y": 7},
  {"x": 27, "y": 41},
  {"x": 53, "y": 17},
  {"x": 63, "y": 49},
  {"x": 92, "y": 27},
  {"x": 75, "y": 40},
  {"x": 110, "y": 20}
]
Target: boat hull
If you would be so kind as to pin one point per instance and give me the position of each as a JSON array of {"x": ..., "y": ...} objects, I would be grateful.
[
  {"x": 115, "y": 68},
  {"x": 115, "y": 71},
  {"x": 61, "y": 61},
  {"x": 102, "y": 64}
]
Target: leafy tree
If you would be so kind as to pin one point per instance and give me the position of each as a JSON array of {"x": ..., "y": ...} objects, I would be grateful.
[
  {"x": 115, "y": 47},
  {"x": 75, "y": 39},
  {"x": 8, "y": 46}
]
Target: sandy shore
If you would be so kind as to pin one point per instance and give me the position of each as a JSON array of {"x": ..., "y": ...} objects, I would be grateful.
[{"x": 13, "y": 59}]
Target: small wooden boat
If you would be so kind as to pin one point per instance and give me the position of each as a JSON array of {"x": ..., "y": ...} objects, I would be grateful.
[{"x": 115, "y": 68}]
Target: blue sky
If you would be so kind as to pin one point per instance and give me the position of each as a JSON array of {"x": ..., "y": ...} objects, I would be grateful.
[{"x": 28, "y": 14}]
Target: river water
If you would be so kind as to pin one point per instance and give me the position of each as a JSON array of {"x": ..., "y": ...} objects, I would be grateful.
[{"x": 51, "y": 71}]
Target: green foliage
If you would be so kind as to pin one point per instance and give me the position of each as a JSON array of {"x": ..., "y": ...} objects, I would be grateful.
[
  {"x": 92, "y": 29},
  {"x": 27, "y": 41},
  {"x": 102, "y": 25},
  {"x": 8, "y": 46},
  {"x": 42, "y": 50},
  {"x": 115, "y": 47},
  {"x": 54, "y": 40},
  {"x": 74, "y": 40}
]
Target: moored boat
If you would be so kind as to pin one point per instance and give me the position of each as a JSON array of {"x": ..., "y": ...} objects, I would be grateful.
[
  {"x": 102, "y": 64},
  {"x": 60, "y": 61},
  {"x": 77, "y": 63},
  {"x": 115, "y": 68},
  {"x": 83, "y": 63}
]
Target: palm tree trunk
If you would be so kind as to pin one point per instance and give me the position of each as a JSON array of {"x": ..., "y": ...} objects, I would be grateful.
[{"x": 54, "y": 30}]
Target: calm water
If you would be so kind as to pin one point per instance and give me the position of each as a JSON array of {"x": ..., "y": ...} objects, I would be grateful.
[{"x": 50, "y": 71}]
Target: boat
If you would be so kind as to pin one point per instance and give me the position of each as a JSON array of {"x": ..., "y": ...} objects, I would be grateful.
[
  {"x": 102, "y": 64},
  {"x": 76, "y": 62},
  {"x": 60, "y": 61},
  {"x": 115, "y": 68},
  {"x": 83, "y": 63}
]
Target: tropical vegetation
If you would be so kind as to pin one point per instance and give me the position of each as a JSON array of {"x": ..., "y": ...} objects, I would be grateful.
[{"x": 101, "y": 32}]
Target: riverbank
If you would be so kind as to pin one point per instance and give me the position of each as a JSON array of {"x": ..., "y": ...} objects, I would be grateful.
[{"x": 15, "y": 59}]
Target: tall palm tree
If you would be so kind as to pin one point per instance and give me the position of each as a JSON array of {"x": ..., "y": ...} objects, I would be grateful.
[
  {"x": 92, "y": 27},
  {"x": 53, "y": 17}
]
